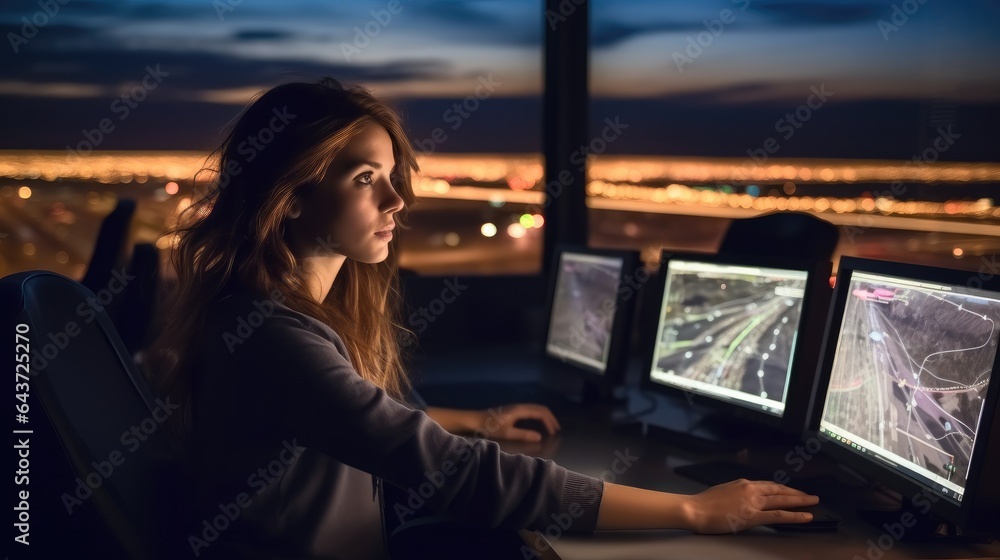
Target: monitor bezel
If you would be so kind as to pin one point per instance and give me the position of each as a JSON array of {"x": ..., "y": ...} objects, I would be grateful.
[
  {"x": 801, "y": 381},
  {"x": 625, "y": 300},
  {"x": 978, "y": 496}
]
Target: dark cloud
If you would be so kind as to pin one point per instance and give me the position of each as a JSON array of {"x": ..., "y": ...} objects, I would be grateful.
[
  {"x": 51, "y": 35},
  {"x": 610, "y": 33},
  {"x": 159, "y": 11},
  {"x": 724, "y": 95},
  {"x": 463, "y": 13},
  {"x": 114, "y": 9},
  {"x": 465, "y": 21},
  {"x": 679, "y": 126},
  {"x": 887, "y": 128},
  {"x": 42, "y": 61},
  {"x": 776, "y": 13},
  {"x": 262, "y": 35},
  {"x": 819, "y": 12}
]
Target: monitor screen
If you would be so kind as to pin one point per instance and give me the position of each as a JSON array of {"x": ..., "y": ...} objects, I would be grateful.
[
  {"x": 728, "y": 331},
  {"x": 583, "y": 309},
  {"x": 909, "y": 376}
]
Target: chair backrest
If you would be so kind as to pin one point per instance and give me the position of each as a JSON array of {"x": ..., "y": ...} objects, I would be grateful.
[
  {"x": 132, "y": 311},
  {"x": 782, "y": 234},
  {"x": 106, "y": 418},
  {"x": 109, "y": 249}
]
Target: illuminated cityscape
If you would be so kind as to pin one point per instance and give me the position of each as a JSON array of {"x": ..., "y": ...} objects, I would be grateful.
[{"x": 493, "y": 202}]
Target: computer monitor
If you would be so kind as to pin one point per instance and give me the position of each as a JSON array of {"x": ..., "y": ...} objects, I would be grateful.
[
  {"x": 740, "y": 334},
  {"x": 591, "y": 299},
  {"x": 908, "y": 385}
]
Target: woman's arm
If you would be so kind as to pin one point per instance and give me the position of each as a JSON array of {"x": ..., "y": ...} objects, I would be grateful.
[
  {"x": 454, "y": 420},
  {"x": 320, "y": 401},
  {"x": 495, "y": 423},
  {"x": 726, "y": 508}
]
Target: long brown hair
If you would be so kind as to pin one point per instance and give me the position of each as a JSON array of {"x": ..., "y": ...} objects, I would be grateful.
[{"x": 234, "y": 235}]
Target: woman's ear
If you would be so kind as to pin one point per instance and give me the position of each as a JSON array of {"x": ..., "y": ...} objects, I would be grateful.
[{"x": 294, "y": 211}]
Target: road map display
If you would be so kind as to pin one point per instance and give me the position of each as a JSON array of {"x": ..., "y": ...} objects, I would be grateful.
[
  {"x": 729, "y": 331},
  {"x": 583, "y": 309},
  {"x": 912, "y": 366}
]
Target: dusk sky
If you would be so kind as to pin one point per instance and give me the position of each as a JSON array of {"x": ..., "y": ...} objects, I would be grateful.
[{"x": 718, "y": 102}]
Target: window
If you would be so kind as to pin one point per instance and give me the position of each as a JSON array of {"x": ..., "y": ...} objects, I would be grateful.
[
  {"x": 163, "y": 79},
  {"x": 878, "y": 116}
]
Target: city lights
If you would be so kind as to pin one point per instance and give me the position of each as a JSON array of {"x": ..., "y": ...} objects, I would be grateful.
[{"x": 516, "y": 230}]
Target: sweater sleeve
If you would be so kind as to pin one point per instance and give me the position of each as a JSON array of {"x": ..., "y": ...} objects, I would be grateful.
[
  {"x": 416, "y": 400},
  {"x": 306, "y": 389}
]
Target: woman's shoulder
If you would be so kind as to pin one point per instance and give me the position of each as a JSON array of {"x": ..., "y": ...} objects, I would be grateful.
[{"x": 244, "y": 318}]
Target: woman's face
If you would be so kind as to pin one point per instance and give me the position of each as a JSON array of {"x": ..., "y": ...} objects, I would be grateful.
[{"x": 349, "y": 212}]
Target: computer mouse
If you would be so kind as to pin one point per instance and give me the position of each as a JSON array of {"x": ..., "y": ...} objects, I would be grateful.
[
  {"x": 823, "y": 519},
  {"x": 532, "y": 424}
]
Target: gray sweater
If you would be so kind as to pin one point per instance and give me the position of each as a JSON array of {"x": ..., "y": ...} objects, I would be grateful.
[{"x": 287, "y": 440}]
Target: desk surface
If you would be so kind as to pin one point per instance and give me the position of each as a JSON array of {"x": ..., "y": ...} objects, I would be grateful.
[
  {"x": 592, "y": 448},
  {"x": 590, "y": 445}
]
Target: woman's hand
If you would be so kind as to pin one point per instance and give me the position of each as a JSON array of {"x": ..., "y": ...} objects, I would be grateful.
[
  {"x": 496, "y": 423},
  {"x": 742, "y": 504},
  {"x": 726, "y": 508}
]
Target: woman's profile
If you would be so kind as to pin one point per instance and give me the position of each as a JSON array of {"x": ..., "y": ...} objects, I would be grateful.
[{"x": 281, "y": 345}]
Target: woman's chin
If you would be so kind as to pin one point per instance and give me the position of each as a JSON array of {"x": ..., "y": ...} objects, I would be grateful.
[{"x": 374, "y": 256}]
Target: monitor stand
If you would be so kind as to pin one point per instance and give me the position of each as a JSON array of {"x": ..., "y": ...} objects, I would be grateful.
[
  {"x": 691, "y": 426},
  {"x": 912, "y": 523},
  {"x": 579, "y": 389}
]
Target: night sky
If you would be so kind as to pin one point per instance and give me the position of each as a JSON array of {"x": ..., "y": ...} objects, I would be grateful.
[{"x": 689, "y": 77}]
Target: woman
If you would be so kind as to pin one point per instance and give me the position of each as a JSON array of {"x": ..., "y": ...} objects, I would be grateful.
[{"x": 282, "y": 349}]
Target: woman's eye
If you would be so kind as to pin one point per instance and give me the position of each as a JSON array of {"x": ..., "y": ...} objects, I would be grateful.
[{"x": 365, "y": 178}]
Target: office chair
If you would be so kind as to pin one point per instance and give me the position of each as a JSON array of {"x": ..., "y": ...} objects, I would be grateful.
[
  {"x": 132, "y": 311},
  {"x": 782, "y": 234},
  {"x": 92, "y": 395},
  {"x": 441, "y": 536},
  {"x": 109, "y": 249}
]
